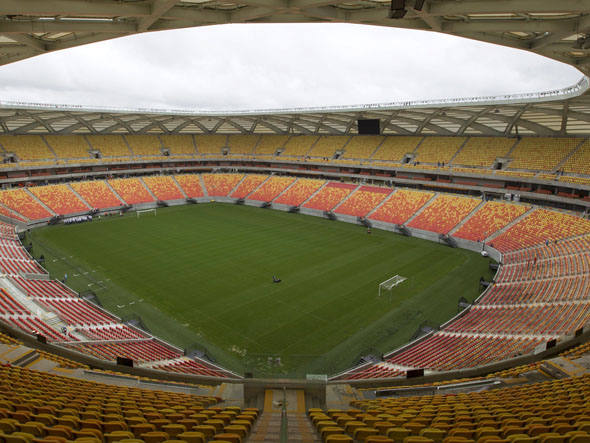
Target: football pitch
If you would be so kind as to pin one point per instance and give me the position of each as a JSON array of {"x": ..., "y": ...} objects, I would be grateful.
[{"x": 201, "y": 277}]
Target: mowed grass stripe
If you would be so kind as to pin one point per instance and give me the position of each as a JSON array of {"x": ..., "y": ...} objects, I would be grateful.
[{"x": 204, "y": 273}]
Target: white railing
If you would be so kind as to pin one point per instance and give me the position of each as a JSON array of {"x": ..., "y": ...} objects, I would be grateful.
[{"x": 529, "y": 97}]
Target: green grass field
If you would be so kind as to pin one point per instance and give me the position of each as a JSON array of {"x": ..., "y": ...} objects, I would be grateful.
[{"x": 200, "y": 276}]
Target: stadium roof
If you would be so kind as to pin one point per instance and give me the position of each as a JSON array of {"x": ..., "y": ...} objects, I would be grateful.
[
  {"x": 557, "y": 29},
  {"x": 494, "y": 116}
]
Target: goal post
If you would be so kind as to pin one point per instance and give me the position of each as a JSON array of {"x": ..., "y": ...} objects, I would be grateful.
[
  {"x": 387, "y": 285},
  {"x": 145, "y": 211}
]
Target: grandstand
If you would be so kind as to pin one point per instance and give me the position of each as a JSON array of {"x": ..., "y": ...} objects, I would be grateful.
[{"x": 508, "y": 175}]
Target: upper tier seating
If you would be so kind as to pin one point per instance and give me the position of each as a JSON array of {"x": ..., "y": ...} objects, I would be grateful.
[
  {"x": 97, "y": 194},
  {"x": 363, "y": 201},
  {"x": 191, "y": 185},
  {"x": 491, "y": 217},
  {"x": 60, "y": 199},
  {"x": 438, "y": 149},
  {"x": 268, "y": 144},
  {"x": 541, "y": 153},
  {"x": 539, "y": 226},
  {"x": 241, "y": 145},
  {"x": 402, "y": 204},
  {"x": 545, "y": 412},
  {"x": 220, "y": 185},
  {"x": 483, "y": 151},
  {"x": 362, "y": 146},
  {"x": 144, "y": 145},
  {"x": 444, "y": 213},
  {"x": 111, "y": 147},
  {"x": 179, "y": 145},
  {"x": 393, "y": 149},
  {"x": 300, "y": 191},
  {"x": 249, "y": 184},
  {"x": 163, "y": 187},
  {"x": 131, "y": 190},
  {"x": 27, "y": 147},
  {"x": 271, "y": 188},
  {"x": 327, "y": 145},
  {"x": 39, "y": 406},
  {"x": 69, "y": 147},
  {"x": 20, "y": 201},
  {"x": 579, "y": 162},
  {"x": 329, "y": 196},
  {"x": 299, "y": 145},
  {"x": 210, "y": 144}
]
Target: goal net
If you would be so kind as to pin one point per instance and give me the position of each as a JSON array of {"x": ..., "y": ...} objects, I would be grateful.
[
  {"x": 387, "y": 285},
  {"x": 145, "y": 211}
]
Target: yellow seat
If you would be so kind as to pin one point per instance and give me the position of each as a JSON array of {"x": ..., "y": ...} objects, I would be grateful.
[
  {"x": 338, "y": 438},
  {"x": 209, "y": 431},
  {"x": 398, "y": 434},
  {"x": 229, "y": 437},
  {"x": 378, "y": 439},
  {"x": 192, "y": 437},
  {"x": 242, "y": 431},
  {"x": 331, "y": 430},
  {"x": 434, "y": 434},
  {"x": 117, "y": 435},
  {"x": 362, "y": 433},
  {"x": 154, "y": 437}
]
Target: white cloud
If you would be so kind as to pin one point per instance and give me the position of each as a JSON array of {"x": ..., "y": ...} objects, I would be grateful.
[{"x": 278, "y": 65}]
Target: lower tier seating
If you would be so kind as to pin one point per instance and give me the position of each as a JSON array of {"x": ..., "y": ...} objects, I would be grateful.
[
  {"x": 444, "y": 213},
  {"x": 299, "y": 192},
  {"x": 23, "y": 203},
  {"x": 97, "y": 194},
  {"x": 220, "y": 185},
  {"x": 490, "y": 218},
  {"x": 190, "y": 184},
  {"x": 445, "y": 350},
  {"x": 363, "y": 201},
  {"x": 540, "y": 226},
  {"x": 329, "y": 196},
  {"x": 402, "y": 205},
  {"x": 248, "y": 185},
  {"x": 131, "y": 190},
  {"x": 60, "y": 199},
  {"x": 163, "y": 188},
  {"x": 271, "y": 188},
  {"x": 141, "y": 351}
]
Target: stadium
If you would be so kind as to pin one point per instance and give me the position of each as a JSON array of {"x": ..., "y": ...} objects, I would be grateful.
[{"x": 408, "y": 272}]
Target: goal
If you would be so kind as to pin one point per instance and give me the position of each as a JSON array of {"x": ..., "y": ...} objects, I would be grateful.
[
  {"x": 145, "y": 211},
  {"x": 387, "y": 285}
]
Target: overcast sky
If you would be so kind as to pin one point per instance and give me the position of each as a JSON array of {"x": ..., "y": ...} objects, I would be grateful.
[{"x": 272, "y": 66}]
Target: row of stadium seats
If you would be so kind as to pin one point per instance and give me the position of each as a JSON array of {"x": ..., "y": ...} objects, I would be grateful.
[
  {"x": 468, "y": 154},
  {"x": 441, "y": 214},
  {"x": 38, "y": 406},
  {"x": 545, "y": 412}
]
